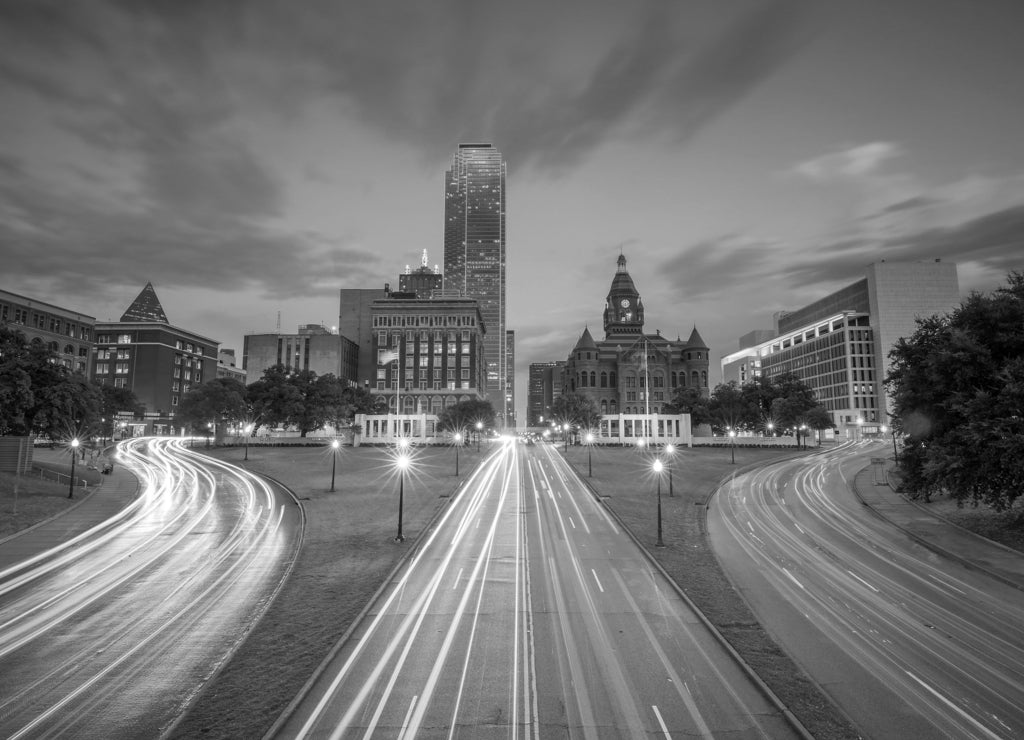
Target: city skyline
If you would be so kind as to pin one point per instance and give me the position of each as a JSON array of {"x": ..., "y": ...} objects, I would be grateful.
[{"x": 250, "y": 159}]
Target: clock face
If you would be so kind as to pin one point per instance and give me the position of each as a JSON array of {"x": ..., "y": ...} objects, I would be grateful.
[{"x": 625, "y": 303}]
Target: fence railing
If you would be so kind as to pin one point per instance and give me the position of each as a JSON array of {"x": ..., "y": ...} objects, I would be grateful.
[{"x": 44, "y": 474}]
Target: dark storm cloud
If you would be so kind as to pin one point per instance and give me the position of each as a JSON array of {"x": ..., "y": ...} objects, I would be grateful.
[
  {"x": 994, "y": 241},
  {"x": 714, "y": 266},
  {"x": 909, "y": 204},
  {"x": 48, "y": 233}
]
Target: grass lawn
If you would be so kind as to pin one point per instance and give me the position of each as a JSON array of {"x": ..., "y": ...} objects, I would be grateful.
[
  {"x": 623, "y": 478},
  {"x": 347, "y": 553},
  {"x": 26, "y": 500}
]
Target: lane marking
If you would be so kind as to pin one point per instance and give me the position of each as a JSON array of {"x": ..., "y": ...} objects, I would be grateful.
[
  {"x": 661, "y": 722},
  {"x": 457, "y": 577},
  {"x": 793, "y": 579},
  {"x": 955, "y": 708},
  {"x": 572, "y": 523},
  {"x": 408, "y": 714},
  {"x": 597, "y": 580},
  {"x": 863, "y": 581}
]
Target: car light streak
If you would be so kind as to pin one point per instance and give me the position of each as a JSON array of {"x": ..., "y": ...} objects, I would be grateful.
[{"x": 136, "y": 610}]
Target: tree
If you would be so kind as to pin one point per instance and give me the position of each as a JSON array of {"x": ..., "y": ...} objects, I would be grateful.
[
  {"x": 576, "y": 409},
  {"x": 219, "y": 401},
  {"x": 114, "y": 401},
  {"x": 728, "y": 408},
  {"x": 957, "y": 386},
  {"x": 273, "y": 400},
  {"x": 345, "y": 401},
  {"x": 38, "y": 395},
  {"x": 689, "y": 400},
  {"x": 465, "y": 415}
]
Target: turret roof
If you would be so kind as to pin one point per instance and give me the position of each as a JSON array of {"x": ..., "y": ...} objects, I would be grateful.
[
  {"x": 696, "y": 340},
  {"x": 586, "y": 341}
]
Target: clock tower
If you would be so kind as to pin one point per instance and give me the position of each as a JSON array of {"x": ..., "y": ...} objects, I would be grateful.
[{"x": 623, "y": 310}]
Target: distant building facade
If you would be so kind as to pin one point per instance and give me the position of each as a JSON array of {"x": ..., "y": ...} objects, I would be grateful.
[
  {"x": 474, "y": 249},
  {"x": 313, "y": 347},
  {"x": 839, "y": 344},
  {"x": 428, "y": 352},
  {"x": 422, "y": 281},
  {"x": 157, "y": 361},
  {"x": 630, "y": 371},
  {"x": 226, "y": 367},
  {"x": 744, "y": 365},
  {"x": 543, "y": 387},
  {"x": 355, "y": 323},
  {"x": 510, "y": 380},
  {"x": 70, "y": 334}
]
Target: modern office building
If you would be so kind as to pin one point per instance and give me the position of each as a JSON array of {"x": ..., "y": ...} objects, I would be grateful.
[
  {"x": 422, "y": 281},
  {"x": 474, "y": 249},
  {"x": 159, "y": 362},
  {"x": 631, "y": 371},
  {"x": 839, "y": 344},
  {"x": 744, "y": 364},
  {"x": 312, "y": 347},
  {"x": 544, "y": 386},
  {"x": 510, "y": 379},
  {"x": 68, "y": 333},
  {"x": 428, "y": 352}
]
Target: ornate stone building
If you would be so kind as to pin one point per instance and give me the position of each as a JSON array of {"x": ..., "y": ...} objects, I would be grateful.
[{"x": 630, "y": 371}]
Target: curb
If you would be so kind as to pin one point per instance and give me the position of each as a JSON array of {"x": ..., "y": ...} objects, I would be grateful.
[
  {"x": 289, "y": 710},
  {"x": 937, "y": 549},
  {"x": 763, "y": 687}
]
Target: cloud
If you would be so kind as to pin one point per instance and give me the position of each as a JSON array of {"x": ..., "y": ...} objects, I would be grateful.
[
  {"x": 850, "y": 163},
  {"x": 712, "y": 266}
]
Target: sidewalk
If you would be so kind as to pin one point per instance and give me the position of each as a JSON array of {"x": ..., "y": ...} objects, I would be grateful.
[
  {"x": 100, "y": 503},
  {"x": 939, "y": 535}
]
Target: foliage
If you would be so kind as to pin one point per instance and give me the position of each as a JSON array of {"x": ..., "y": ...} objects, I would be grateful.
[
  {"x": 218, "y": 401},
  {"x": 112, "y": 402},
  {"x": 38, "y": 395},
  {"x": 576, "y": 409},
  {"x": 465, "y": 415},
  {"x": 689, "y": 400},
  {"x": 958, "y": 394},
  {"x": 273, "y": 400}
]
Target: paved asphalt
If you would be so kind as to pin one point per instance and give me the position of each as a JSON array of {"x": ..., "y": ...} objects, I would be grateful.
[
  {"x": 116, "y": 613},
  {"x": 528, "y": 612},
  {"x": 910, "y": 640}
]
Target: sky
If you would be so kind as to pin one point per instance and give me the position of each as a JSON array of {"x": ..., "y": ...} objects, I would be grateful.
[{"x": 252, "y": 158}]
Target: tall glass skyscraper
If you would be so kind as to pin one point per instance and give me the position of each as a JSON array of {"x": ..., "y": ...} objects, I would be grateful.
[{"x": 474, "y": 250}]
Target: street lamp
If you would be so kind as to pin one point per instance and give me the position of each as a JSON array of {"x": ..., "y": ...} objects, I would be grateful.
[
  {"x": 209, "y": 429},
  {"x": 248, "y": 431},
  {"x": 895, "y": 452},
  {"x": 802, "y": 433},
  {"x": 657, "y": 471},
  {"x": 590, "y": 448},
  {"x": 74, "y": 454},
  {"x": 640, "y": 445},
  {"x": 670, "y": 450},
  {"x": 402, "y": 461},
  {"x": 479, "y": 429},
  {"x": 565, "y": 437},
  {"x": 771, "y": 429},
  {"x": 335, "y": 444},
  {"x": 458, "y": 444},
  {"x": 732, "y": 445}
]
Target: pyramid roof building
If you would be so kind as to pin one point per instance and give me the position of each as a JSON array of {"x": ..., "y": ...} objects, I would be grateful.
[{"x": 146, "y": 307}]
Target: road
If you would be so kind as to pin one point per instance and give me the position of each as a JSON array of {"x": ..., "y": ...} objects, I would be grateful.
[
  {"x": 527, "y": 612},
  {"x": 110, "y": 634},
  {"x": 908, "y": 643}
]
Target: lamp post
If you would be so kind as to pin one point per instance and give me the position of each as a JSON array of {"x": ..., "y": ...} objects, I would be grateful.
[
  {"x": 74, "y": 454},
  {"x": 860, "y": 434},
  {"x": 248, "y": 431},
  {"x": 640, "y": 445},
  {"x": 802, "y": 433},
  {"x": 458, "y": 444},
  {"x": 565, "y": 438},
  {"x": 402, "y": 462},
  {"x": 732, "y": 445},
  {"x": 209, "y": 429},
  {"x": 771, "y": 429},
  {"x": 670, "y": 451},
  {"x": 895, "y": 453},
  {"x": 657, "y": 471},
  {"x": 479, "y": 429},
  {"x": 590, "y": 448},
  {"x": 335, "y": 444}
]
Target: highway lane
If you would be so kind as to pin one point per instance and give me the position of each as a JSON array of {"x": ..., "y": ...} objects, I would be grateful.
[
  {"x": 908, "y": 643},
  {"x": 112, "y": 633},
  {"x": 526, "y": 612}
]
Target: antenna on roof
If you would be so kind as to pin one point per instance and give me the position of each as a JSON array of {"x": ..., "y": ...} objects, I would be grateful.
[{"x": 278, "y": 322}]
